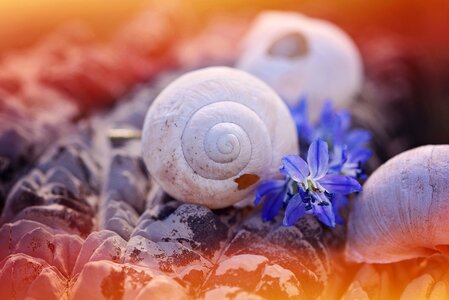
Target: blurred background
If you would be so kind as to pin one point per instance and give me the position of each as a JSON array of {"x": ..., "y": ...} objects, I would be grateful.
[
  {"x": 424, "y": 24},
  {"x": 398, "y": 39},
  {"x": 86, "y": 54}
]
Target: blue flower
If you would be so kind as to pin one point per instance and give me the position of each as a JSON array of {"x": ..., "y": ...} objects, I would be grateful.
[
  {"x": 350, "y": 163},
  {"x": 348, "y": 152},
  {"x": 312, "y": 175},
  {"x": 300, "y": 114},
  {"x": 329, "y": 124},
  {"x": 335, "y": 158},
  {"x": 275, "y": 193},
  {"x": 338, "y": 201},
  {"x": 314, "y": 184},
  {"x": 332, "y": 127}
]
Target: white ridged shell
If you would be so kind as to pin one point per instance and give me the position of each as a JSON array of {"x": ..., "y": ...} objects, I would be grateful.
[
  {"x": 297, "y": 55},
  {"x": 403, "y": 211},
  {"x": 209, "y": 128}
]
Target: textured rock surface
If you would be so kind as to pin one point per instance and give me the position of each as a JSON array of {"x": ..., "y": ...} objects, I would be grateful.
[
  {"x": 61, "y": 192},
  {"x": 87, "y": 220},
  {"x": 45, "y": 89}
]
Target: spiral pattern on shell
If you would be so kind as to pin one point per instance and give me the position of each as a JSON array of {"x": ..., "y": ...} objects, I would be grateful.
[
  {"x": 402, "y": 212},
  {"x": 212, "y": 134}
]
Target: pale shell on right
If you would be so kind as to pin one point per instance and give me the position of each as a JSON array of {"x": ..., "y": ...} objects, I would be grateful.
[{"x": 403, "y": 211}]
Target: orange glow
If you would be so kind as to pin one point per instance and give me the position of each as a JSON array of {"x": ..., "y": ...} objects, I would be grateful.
[{"x": 61, "y": 61}]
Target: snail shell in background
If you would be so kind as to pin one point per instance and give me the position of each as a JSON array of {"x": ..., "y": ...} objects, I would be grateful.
[
  {"x": 213, "y": 134},
  {"x": 403, "y": 210},
  {"x": 301, "y": 56}
]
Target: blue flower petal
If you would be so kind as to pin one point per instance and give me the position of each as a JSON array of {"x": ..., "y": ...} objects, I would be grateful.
[
  {"x": 359, "y": 155},
  {"x": 294, "y": 211},
  {"x": 325, "y": 214},
  {"x": 345, "y": 119},
  {"x": 338, "y": 201},
  {"x": 268, "y": 186},
  {"x": 338, "y": 159},
  {"x": 318, "y": 159},
  {"x": 295, "y": 167},
  {"x": 344, "y": 156},
  {"x": 272, "y": 205},
  {"x": 327, "y": 116},
  {"x": 300, "y": 114},
  {"x": 357, "y": 138},
  {"x": 338, "y": 184},
  {"x": 337, "y": 133}
]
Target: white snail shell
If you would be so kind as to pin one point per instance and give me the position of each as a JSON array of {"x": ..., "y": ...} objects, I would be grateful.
[
  {"x": 403, "y": 211},
  {"x": 212, "y": 134},
  {"x": 301, "y": 56}
]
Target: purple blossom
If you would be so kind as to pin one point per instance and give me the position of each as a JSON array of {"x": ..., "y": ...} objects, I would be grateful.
[
  {"x": 318, "y": 184},
  {"x": 307, "y": 188},
  {"x": 348, "y": 150},
  {"x": 275, "y": 192},
  {"x": 313, "y": 179}
]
